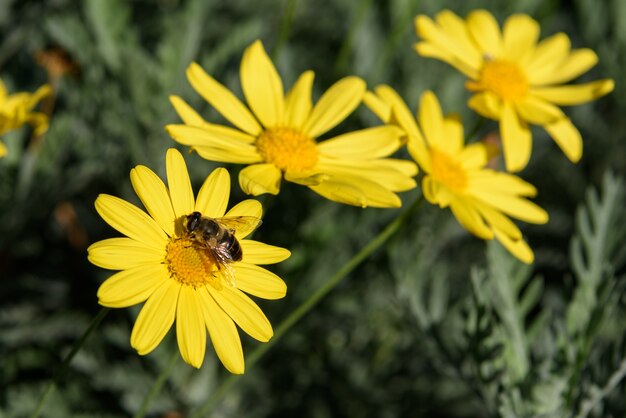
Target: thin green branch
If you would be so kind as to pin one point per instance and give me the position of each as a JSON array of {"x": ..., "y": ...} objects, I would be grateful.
[{"x": 158, "y": 384}]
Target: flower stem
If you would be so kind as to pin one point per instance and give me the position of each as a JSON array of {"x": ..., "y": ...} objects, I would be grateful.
[
  {"x": 308, "y": 304},
  {"x": 65, "y": 365},
  {"x": 156, "y": 387}
]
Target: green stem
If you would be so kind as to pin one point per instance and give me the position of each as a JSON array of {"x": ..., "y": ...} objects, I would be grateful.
[
  {"x": 156, "y": 387},
  {"x": 65, "y": 365},
  {"x": 308, "y": 304},
  {"x": 285, "y": 28},
  {"x": 344, "y": 53}
]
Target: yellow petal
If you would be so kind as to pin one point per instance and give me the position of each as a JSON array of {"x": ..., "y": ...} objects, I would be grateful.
[
  {"x": 249, "y": 207},
  {"x": 223, "y": 333},
  {"x": 259, "y": 179},
  {"x": 567, "y": 137},
  {"x": 213, "y": 196},
  {"x": 357, "y": 191},
  {"x": 376, "y": 142},
  {"x": 401, "y": 114},
  {"x": 456, "y": 32},
  {"x": 514, "y": 206},
  {"x": 420, "y": 153},
  {"x": 516, "y": 139},
  {"x": 131, "y": 221},
  {"x": 186, "y": 112},
  {"x": 238, "y": 155},
  {"x": 3, "y": 150},
  {"x": 335, "y": 105},
  {"x": 431, "y": 50},
  {"x": 225, "y": 102},
  {"x": 548, "y": 55},
  {"x": 577, "y": 63},
  {"x": 389, "y": 173},
  {"x": 211, "y": 135},
  {"x": 154, "y": 196},
  {"x": 298, "y": 102},
  {"x": 431, "y": 120},
  {"x": 518, "y": 248},
  {"x": 469, "y": 217},
  {"x": 155, "y": 318},
  {"x": 244, "y": 312},
  {"x": 498, "y": 221},
  {"x": 259, "y": 282},
  {"x": 179, "y": 182},
  {"x": 453, "y": 134},
  {"x": 474, "y": 156},
  {"x": 537, "y": 111},
  {"x": 486, "y": 104},
  {"x": 255, "y": 252},
  {"x": 500, "y": 182},
  {"x": 307, "y": 178},
  {"x": 381, "y": 109},
  {"x": 486, "y": 32},
  {"x": 520, "y": 34},
  {"x": 190, "y": 326},
  {"x": 575, "y": 94},
  {"x": 123, "y": 253},
  {"x": 262, "y": 85},
  {"x": 132, "y": 286}
]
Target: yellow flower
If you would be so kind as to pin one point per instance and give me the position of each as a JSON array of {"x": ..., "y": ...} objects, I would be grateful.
[
  {"x": 516, "y": 80},
  {"x": 17, "y": 109},
  {"x": 455, "y": 175},
  {"x": 277, "y": 136},
  {"x": 163, "y": 265}
]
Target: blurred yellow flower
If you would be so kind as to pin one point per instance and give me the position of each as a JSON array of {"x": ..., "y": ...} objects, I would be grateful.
[
  {"x": 17, "y": 109},
  {"x": 177, "y": 276},
  {"x": 455, "y": 175},
  {"x": 277, "y": 136},
  {"x": 516, "y": 79}
]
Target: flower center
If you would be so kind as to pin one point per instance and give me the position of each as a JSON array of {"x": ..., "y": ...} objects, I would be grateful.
[
  {"x": 447, "y": 171},
  {"x": 190, "y": 264},
  {"x": 287, "y": 149},
  {"x": 503, "y": 78}
]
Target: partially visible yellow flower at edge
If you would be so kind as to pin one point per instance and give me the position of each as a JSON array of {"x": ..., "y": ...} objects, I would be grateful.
[
  {"x": 455, "y": 175},
  {"x": 17, "y": 109},
  {"x": 277, "y": 136},
  {"x": 178, "y": 279},
  {"x": 515, "y": 79}
]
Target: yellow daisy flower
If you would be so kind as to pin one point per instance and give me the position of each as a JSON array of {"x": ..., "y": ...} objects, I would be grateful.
[
  {"x": 174, "y": 272},
  {"x": 277, "y": 135},
  {"x": 17, "y": 109},
  {"x": 515, "y": 79},
  {"x": 456, "y": 176}
]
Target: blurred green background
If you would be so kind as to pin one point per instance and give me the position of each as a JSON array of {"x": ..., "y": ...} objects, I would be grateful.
[{"x": 437, "y": 324}]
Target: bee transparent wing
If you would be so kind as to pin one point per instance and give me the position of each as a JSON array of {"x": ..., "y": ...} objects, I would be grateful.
[
  {"x": 223, "y": 262},
  {"x": 242, "y": 225}
]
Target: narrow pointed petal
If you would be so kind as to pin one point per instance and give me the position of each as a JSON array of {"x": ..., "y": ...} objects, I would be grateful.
[
  {"x": 431, "y": 50},
  {"x": 498, "y": 221},
  {"x": 155, "y": 318},
  {"x": 335, "y": 105},
  {"x": 298, "y": 103},
  {"x": 213, "y": 196},
  {"x": 211, "y": 135},
  {"x": 180, "y": 185},
  {"x": 255, "y": 252},
  {"x": 131, "y": 221},
  {"x": 225, "y": 155},
  {"x": 401, "y": 113},
  {"x": 132, "y": 286},
  {"x": 501, "y": 182},
  {"x": 467, "y": 215},
  {"x": 567, "y": 137},
  {"x": 262, "y": 85},
  {"x": 577, "y": 63},
  {"x": 123, "y": 253},
  {"x": 474, "y": 156},
  {"x": 548, "y": 55},
  {"x": 380, "y": 108},
  {"x": 154, "y": 196},
  {"x": 244, "y": 312},
  {"x": 393, "y": 174},
  {"x": 486, "y": 32},
  {"x": 190, "y": 326},
  {"x": 248, "y": 207},
  {"x": 514, "y": 206},
  {"x": 259, "y": 282},
  {"x": 258, "y": 179},
  {"x": 369, "y": 143},
  {"x": 519, "y": 248},
  {"x": 486, "y": 104},
  {"x": 516, "y": 139},
  {"x": 188, "y": 115},
  {"x": 456, "y": 31},
  {"x": 223, "y": 333},
  {"x": 575, "y": 94},
  {"x": 453, "y": 133},
  {"x": 431, "y": 120},
  {"x": 538, "y": 111},
  {"x": 357, "y": 191},
  {"x": 225, "y": 102}
]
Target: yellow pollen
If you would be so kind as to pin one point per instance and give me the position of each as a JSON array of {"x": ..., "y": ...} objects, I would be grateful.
[
  {"x": 190, "y": 264},
  {"x": 503, "y": 78},
  {"x": 287, "y": 149},
  {"x": 447, "y": 171}
]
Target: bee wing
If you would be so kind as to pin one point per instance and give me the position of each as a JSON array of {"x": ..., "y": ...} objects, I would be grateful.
[
  {"x": 242, "y": 225},
  {"x": 222, "y": 260}
]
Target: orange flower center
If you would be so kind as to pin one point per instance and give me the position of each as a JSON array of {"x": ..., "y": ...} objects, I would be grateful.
[
  {"x": 503, "y": 78},
  {"x": 447, "y": 171},
  {"x": 190, "y": 264},
  {"x": 287, "y": 149}
]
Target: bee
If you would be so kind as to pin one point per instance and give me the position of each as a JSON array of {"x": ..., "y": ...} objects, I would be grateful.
[{"x": 217, "y": 237}]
